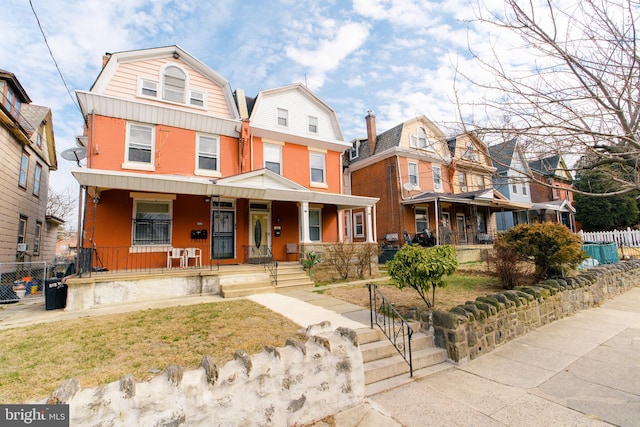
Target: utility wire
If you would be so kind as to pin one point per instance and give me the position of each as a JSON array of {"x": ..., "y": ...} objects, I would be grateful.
[{"x": 52, "y": 57}]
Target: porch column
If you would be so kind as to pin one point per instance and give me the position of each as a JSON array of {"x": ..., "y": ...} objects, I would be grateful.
[
  {"x": 369, "y": 225},
  {"x": 304, "y": 222},
  {"x": 340, "y": 225}
]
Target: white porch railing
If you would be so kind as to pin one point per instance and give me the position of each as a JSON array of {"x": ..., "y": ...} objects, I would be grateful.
[{"x": 624, "y": 238}]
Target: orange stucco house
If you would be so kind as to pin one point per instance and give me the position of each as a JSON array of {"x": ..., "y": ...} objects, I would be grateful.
[{"x": 176, "y": 160}]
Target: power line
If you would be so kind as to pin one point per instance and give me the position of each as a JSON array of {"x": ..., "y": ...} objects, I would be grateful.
[{"x": 73, "y": 100}]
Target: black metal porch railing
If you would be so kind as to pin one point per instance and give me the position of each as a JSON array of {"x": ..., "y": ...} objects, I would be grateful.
[
  {"x": 141, "y": 259},
  {"x": 263, "y": 256},
  {"x": 387, "y": 318}
]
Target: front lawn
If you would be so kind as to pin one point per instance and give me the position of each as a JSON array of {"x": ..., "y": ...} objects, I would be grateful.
[{"x": 35, "y": 360}]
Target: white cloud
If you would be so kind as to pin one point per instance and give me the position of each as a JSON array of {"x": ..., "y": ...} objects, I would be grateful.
[{"x": 328, "y": 53}]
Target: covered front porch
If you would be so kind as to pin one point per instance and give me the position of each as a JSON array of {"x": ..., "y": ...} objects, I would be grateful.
[
  {"x": 459, "y": 219},
  {"x": 136, "y": 221}
]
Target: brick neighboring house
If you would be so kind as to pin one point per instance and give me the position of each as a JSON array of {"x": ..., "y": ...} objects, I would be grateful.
[
  {"x": 552, "y": 202},
  {"x": 426, "y": 182},
  {"x": 175, "y": 159},
  {"x": 27, "y": 149},
  {"x": 511, "y": 180}
]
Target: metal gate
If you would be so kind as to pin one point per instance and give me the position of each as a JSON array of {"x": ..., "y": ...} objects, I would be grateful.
[{"x": 22, "y": 280}]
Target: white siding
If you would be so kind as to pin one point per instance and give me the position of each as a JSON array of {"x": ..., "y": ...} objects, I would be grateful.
[{"x": 299, "y": 107}]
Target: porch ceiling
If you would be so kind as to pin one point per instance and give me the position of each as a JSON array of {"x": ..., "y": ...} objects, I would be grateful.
[{"x": 108, "y": 180}]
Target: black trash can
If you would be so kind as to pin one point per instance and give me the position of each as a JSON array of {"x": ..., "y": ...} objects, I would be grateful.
[{"x": 55, "y": 294}]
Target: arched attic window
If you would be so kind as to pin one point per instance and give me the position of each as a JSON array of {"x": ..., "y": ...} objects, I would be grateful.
[{"x": 174, "y": 84}]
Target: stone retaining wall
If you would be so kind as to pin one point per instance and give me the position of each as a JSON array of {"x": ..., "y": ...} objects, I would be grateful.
[
  {"x": 294, "y": 385},
  {"x": 470, "y": 330}
]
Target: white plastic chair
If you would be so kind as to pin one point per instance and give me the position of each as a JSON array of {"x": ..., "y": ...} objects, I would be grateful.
[
  {"x": 173, "y": 254},
  {"x": 195, "y": 254}
]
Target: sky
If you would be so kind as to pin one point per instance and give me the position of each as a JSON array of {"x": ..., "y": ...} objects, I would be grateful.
[{"x": 396, "y": 58}]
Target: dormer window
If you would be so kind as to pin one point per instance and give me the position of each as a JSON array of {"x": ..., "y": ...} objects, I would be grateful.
[
  {"x": 420, "y": 139},
  {"x": 353, "y": 153},
  {"x": 471, "y": 153},
  {"x": 174, "y": 84}
]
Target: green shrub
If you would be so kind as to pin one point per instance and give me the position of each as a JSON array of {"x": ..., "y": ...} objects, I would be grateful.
[
  {"x": 552, "y": 247},
  {"x": 422, "y": 268}
]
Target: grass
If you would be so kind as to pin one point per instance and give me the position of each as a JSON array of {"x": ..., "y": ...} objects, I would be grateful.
[
  {"x": 459, "y": 289},
  {"x": 35, "y": 360}
]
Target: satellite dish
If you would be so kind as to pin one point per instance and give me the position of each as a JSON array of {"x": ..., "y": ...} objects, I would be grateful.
[
  {"x": 409, "y": 186},
  {"x": 74, "y": 154}
]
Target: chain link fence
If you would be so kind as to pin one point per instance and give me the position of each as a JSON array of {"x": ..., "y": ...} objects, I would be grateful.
[{"x": 20, "y": 280}]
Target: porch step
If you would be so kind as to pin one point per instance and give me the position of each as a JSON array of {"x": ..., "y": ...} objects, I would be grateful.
[
  {"x": 235, "y": 291},
  {"x": 292, "y": 275},
  {"x": 384, "y": 368}
]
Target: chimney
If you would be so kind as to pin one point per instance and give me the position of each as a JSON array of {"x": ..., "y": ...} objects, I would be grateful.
[
  {"x": 105, "y": 59},
  {"x": 371, "y": 131}
]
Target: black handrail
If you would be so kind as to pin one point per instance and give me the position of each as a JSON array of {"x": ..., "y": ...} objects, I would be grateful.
[
  {"x": 397, "y": 330},
  {"x": 262, "y": 256}
]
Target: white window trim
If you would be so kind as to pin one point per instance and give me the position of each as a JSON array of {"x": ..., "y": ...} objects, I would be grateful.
[
  {"x": 437, "y": 187},
  {"x": 25, "y": 169},
  {"x": 151, "y": 198},
  {"x": 128, "y": 164},
  {"x": 141, "y": 81},
  {"x": 409, "y": 164},
  {"x": 318, "y": 184},
  {"x": 162, "y": 84},
  {"x": 205, "y": 98},
  {"x": 208, "y": 172},
  {"x": 354, "y": 152},
  {"x": 426, "y": 212},
  {"x": 37, "y": 179},
  {"x": 462, "y": 182},
  {"x": 277, "y": 147},
  {"x": 309, "y": 118},
  {"x": 319, "y": 225},
  {"x": 278, "y": 110},
  {"x": 358, "y": 218}
]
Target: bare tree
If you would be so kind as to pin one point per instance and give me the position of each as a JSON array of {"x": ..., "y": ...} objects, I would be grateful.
[
  {"x": 579, "y": 95},
  {"x": 62, "y": 204}
]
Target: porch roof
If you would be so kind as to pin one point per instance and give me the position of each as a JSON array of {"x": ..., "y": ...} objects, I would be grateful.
[
  {"x": 490, "y": 197},
  {"x": 556, "y": 205},
  {"x": 262, "y": 184}
]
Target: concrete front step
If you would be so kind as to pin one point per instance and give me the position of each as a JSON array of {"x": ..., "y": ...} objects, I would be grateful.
[
  {"x": 382, "y": 369},
  {"x": 384, "y": 348},
  {"x": 397, "y": 381},
  {"x": 233, "y": 292}
]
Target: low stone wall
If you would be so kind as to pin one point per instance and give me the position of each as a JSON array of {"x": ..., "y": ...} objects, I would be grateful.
[
  {"x": 294, "y": 385},
  {"x": 84, "y": 293},
  {"x": 470, "y": 330}
]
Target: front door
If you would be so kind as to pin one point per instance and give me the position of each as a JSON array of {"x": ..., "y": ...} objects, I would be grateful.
[
  {"x": 222, "y": 240},
  {"x": 259, "y": 237},
  {"x": 461, "y": 225}
]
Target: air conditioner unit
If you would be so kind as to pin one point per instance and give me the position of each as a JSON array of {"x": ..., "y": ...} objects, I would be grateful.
[{"x": 23, "y": 247}]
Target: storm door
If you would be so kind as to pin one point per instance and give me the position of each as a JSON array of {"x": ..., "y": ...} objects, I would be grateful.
[{"x": 222, "y": 241}]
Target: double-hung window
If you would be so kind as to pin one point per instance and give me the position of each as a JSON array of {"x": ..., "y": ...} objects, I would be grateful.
[
  {"x": 480, "y": 182},
  {"x": 283, "y": 117},
  {"x": 317, "y": 162},
  {"x": 273, "y": 158},
  {"x": 413, "y": 174},
  {"x": 140, "y": 143},
  {"x": 315, "y": 225},
  {"x": 358, "y": 225},
  {"x": 148, "y": 88},
  {"x": 437, "y": 178},
  {"x": 152, "y": 222},
  {"x": 36, "y": 180},
  {"x": 38, "y": 238},
  {"x": 313, "y": 124},
  {"x": 22, "y": 229},
  {"x": 462, "y": 179},
  {"x": 24, "y": 170},
  {"x": 422, "y": 219},
  {"x": 174, "y": 84},
  {"x": 208, "y": 149}
]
